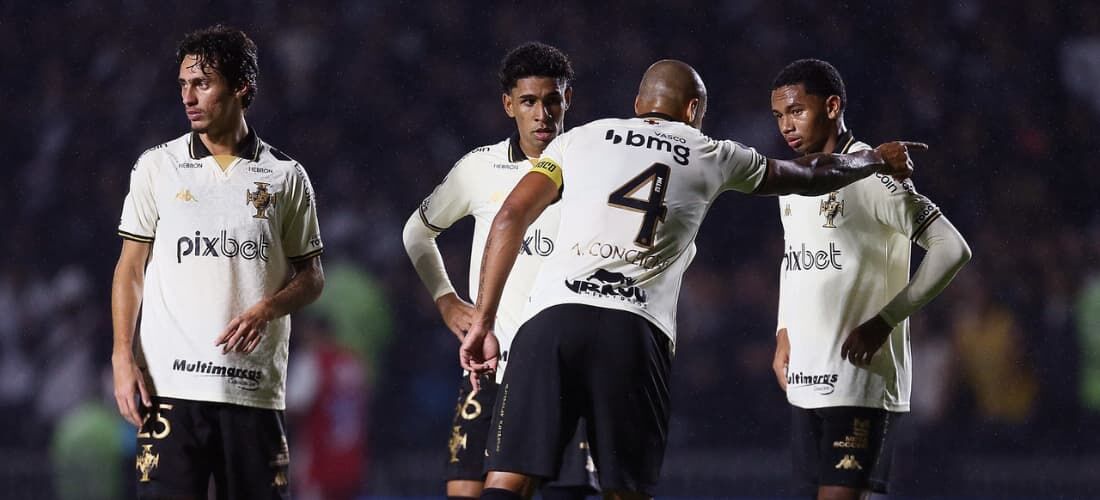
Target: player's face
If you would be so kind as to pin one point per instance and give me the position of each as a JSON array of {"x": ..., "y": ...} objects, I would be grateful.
[
  {"x": 210, "y": 104},
  {"x": 538, "y": 104},
  {"x": 806, "y": 121}
]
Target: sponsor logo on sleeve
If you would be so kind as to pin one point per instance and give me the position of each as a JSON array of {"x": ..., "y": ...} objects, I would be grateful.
[{"x": 537, "y": 243}]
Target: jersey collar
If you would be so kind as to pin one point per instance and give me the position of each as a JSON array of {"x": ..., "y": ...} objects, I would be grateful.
[
  {"x": 846, "y": 140},
  {"x": 655, "y": 114},
  {"x": 515, "y": 153},
  {"x": 250, "y": 146}
]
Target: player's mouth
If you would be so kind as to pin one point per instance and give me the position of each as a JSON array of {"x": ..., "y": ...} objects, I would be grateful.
[
  {"x": 794, "y": 142},
  {"x": 194, "y": 114},
  {"x": 544, "y": 134}
]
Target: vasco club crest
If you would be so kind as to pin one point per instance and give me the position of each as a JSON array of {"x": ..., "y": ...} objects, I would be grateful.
[
  {"x": 830, "y": 208},
  {"x": 261, "y": 200}
]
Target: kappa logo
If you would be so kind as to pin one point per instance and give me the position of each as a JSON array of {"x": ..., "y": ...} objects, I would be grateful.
[
  {"x": 537, "y": 244},
  {"x": 849, "y": 462},
  {"x": 185, "y": 195},
  {"x": 607, "y": 284},
  {"x": 680, "y": 152}
]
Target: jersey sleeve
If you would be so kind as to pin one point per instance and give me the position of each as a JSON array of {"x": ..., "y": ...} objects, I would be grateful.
[
  {"x": 139, "y": 210},
  {"x": 450, "y": 200},
  {"x": 899, "y": 206},
  {"x": 744, "y": 169},
  {"x": 301, "y": 233}
]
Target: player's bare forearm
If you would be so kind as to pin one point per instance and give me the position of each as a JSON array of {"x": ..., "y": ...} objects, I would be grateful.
[
  {"x": 821, "y": 173},
  {"x": 527, "y": 201},
  {"x": 126, "y": 290},
  {"x": 304, "y": 288}
]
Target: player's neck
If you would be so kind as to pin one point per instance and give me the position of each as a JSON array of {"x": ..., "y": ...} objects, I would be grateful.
[
  {"x": 532, "y": 151},
  {"x": 833, "y": 143},
  {"x": 227, "y": 141}
]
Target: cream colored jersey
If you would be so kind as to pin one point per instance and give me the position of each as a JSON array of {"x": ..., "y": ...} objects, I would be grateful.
[
  {"x": 634, "y": 192},
  {"x": 221, "y": 241},
  {"x": 477, "y": 185},
  {"x": 847, "y": 255}
]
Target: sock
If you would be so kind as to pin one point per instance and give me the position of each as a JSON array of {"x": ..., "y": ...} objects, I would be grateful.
[
  {"x": 499, "y": 494},
  {"x": 565, "y": 493}
]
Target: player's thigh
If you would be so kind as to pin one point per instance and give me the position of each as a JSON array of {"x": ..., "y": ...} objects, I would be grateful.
[
  {"x": 173, "y": 450},
  {"x": 806, "y": 443},
  {"x": 255, "y": 457},
  {"x": 850, "y": 445},
  {"x": 628, "y": 379},
  {"x": 532, "y": 407},
  {"x": 468, "y": 434}
]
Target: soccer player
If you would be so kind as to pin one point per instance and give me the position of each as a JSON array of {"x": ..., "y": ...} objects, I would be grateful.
[
  {"x": 536, "y": 81},
  {"x": 599, "y": 339},
  {"x": 220, "y": 245},
  {"x": 845, "y": 292}
]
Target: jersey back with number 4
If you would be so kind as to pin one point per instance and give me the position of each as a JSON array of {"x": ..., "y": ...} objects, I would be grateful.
[{"x": 634, "y": 193}]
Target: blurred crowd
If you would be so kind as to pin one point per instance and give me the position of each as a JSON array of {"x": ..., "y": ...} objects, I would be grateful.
[{"x": 378, "y": 99}]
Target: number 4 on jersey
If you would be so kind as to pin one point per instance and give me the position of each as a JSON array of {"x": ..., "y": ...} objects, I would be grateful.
[{"x": 654, "y": 208}]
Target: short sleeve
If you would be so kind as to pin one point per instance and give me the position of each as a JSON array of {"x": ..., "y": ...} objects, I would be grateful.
[
  {"x": 744, "y": 169},
  {"x": 301, "y": 233},
  {"x": 450, "y": 200},
  {"x": 898, "y": 205},
  {"x": 139, "y": 210}
]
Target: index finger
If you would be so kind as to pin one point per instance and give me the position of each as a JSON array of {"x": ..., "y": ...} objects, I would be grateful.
[{"x": 914, "y": 146}]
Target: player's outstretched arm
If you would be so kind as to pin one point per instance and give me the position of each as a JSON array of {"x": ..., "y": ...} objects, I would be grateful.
[
  {"x": 947, "y": 253},
  {"x": 820, "y": 173},
  {"x": 246, "y": 331},
  {"x": 126, "y": 291},
  {"x": 422, "y": 250},
  {"x": 528, "y": 200}
]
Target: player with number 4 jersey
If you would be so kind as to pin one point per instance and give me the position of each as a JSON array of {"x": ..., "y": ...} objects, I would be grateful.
[{"x": 599, "y": 339}]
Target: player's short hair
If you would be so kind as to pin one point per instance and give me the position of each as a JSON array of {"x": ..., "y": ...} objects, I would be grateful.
[
  {"x": 816, "y": 76},
  {"x": 534, "y": 59},
  {"x": 226, "y": 50}
]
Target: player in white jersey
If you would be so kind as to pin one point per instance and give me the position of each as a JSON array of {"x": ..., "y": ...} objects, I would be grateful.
[
  {"x": 221, "y": 244},
  {"x": 536, "y": 81},
  {"x": 845, "y": 292},
  {"x": 599, "y": 340}
]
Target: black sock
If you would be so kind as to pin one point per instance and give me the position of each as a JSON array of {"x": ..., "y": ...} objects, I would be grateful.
[{"x": 499, "y": 494}]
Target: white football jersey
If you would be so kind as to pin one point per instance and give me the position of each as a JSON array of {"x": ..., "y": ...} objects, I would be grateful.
[
  {"x": 477, "y": 185},
  {"x": 633, "y": 196},
  {"x": 221, "y": 241},
  {"x": 847, "y": 255}
]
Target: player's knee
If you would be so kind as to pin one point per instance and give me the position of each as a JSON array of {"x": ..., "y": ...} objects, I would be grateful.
[{"x": 463, "y": 489}]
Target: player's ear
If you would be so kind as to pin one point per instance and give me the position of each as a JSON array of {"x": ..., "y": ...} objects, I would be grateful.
[
  {"x": 832, "y": 107},
  {"x": 506, "y": 100},
  {"x": 568, "y": 98},
  {"x": 693, "y": 111},
  {"x": 637, "y": 109}
]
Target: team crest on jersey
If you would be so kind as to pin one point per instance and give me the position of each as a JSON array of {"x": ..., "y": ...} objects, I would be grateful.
[
  {"x": 261, "y": 200},
  {"x": 831, "y": 208}
]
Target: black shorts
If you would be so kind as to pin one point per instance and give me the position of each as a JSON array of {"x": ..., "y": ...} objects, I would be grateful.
[
  {"x": 470, "y": 430},
  {"x": 182, "y": 444},
  {"x": 575, "y": 361},
  {"x": 842, "y": 446}
]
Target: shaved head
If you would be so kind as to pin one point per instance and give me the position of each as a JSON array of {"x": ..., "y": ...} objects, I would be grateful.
[{"x": 672, "y": 88}]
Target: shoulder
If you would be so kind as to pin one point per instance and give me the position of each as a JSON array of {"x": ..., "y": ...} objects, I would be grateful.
[
  {"x": 165, "y": 152},
  {"x": 274, "y": 159},
  {"x": 484, "y": 156}
]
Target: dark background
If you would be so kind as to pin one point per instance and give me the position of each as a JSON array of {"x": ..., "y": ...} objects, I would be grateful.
[{"x": 378, "y": 99}]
